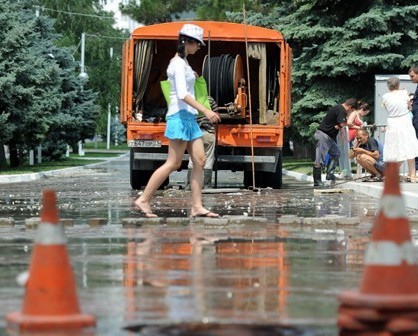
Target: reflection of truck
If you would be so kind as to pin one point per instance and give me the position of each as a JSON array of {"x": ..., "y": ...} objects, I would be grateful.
[{"x": 250, "y": 135}]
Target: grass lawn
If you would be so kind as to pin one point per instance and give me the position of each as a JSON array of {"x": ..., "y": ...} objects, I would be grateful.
[
  {"x": 73, "y": 161},
  {"x": 303, "y": 166}
]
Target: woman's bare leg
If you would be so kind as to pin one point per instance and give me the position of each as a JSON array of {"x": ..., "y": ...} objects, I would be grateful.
[
  {"x": 197, "y": 155},
  {"x": 176, "y": 150}
]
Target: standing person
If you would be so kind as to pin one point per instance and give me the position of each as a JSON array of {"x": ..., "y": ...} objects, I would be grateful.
[
  {"x": 209, "y": 145},
  {"x": 355, "y": 119},
  {"x": 400, "y": 140},
  {"x": 413, "y": 74},
  {"x": 326, "y": 139},
  {"x": 367, "y": 153},
  {"x": 182, "y": 129}
]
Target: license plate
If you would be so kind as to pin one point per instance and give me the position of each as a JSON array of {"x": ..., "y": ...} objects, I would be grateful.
[{"x": 147, "y": 143}]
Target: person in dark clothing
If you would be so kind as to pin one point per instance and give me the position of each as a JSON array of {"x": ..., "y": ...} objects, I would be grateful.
[
  {"x": 368, "y": 155},
  {"x": 413, "y": 74},
  {"x": 326, "y": 139}
]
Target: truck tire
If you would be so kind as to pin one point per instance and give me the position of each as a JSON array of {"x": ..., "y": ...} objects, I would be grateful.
[
  {"x": 275, "y": 179},
  {"x": 139, "y": 178},
  {"x": 265, "y": 179}
]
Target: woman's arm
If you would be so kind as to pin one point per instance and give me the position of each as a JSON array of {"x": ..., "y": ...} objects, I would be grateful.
[{"x": 212, "y": 116}]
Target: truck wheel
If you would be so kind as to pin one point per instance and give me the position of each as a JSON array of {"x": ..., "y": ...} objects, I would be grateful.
[
  {"x": 140, "y": 178},
  {"x": 275, "y": 180},
  {"x": 259, "y": 179},
  {"x": 265, "y": 179}
]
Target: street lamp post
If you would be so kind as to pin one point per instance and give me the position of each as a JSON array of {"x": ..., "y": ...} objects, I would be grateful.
[
  {"x": 109, "y": 116},
  {"x": 83, "y": 74}
]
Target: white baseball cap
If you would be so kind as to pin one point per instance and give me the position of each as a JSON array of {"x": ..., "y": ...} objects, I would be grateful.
[{"x": 193, "y": 31}]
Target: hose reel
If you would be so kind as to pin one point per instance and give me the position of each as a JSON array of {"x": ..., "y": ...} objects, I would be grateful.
[{"x": 226, "y": 84}]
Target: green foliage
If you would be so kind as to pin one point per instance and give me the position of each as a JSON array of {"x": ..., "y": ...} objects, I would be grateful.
[
  {"x": 104, "y": 70},
  {"x": 338, "y": 47},
  {"x": 29, "y": 78},
  {"x": 158, "y": 11},
  {"x": 42, "y": 100}
]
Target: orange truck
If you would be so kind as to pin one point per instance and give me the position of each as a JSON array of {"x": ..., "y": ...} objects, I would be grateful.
[{"x": 248, "y": 73}]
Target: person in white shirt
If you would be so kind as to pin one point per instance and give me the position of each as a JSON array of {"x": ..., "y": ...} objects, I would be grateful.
[
  {"x": 182, "y": 129},
  {"x": 400, "y": 140}
]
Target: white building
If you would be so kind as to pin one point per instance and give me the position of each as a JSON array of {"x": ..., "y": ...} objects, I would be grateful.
[{"x": 122, "y": 21}]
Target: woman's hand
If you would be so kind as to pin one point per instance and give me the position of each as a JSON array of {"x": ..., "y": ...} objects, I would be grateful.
[{"x": 212, "y": 116}]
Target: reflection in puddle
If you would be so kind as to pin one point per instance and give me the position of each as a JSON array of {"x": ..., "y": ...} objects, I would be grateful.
[{"x": 174, "y": 278}]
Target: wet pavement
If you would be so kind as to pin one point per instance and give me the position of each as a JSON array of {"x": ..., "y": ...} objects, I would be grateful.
[{"x": 272, "y": 265}]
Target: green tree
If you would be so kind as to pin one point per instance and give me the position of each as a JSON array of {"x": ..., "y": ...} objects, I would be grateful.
[
  {"x": 338, "y": 47},
  {"x": 158, "y": 11},
  {"x": 75, "y": 118},
  {"x": 29, "y": 80},
  {"x": 103, "y": 46},
  {"x": 41, "y": 100}
]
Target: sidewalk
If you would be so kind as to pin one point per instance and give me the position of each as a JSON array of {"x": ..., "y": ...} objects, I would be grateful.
[{"x": 373, "y": 189}]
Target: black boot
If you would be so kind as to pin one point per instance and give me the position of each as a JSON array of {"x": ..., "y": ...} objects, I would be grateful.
[
  {"x": 207, "y": 178},
  {"x": 189, "y": 175},
  {"x": 317, "y": 177},
  {"x": 332, "y": 164}
]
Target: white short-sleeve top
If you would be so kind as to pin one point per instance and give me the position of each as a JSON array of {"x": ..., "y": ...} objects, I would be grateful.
[
  {"x": 182, "y": 78},
  {"x": 396, "y": 103}
]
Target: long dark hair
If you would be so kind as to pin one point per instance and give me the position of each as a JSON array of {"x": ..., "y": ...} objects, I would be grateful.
[
  {"x": 181, "y": 44},
  {"x": 362, "y": 105}
]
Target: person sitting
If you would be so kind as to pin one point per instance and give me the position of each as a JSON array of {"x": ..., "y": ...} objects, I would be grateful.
[{"x": 366, "y": 152}]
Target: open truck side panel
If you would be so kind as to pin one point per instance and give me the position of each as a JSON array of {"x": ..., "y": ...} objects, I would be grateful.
[{"x": 251, "y": 131}]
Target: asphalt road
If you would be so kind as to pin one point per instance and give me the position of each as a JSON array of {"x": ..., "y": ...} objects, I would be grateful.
[{"x": 276, "y": 258}]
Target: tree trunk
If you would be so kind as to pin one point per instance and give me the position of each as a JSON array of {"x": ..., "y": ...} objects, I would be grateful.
[
  {"x": 14, "y": 156},
  {"x": 75, "y": 148},
  {"x": 3, "y": 161}
]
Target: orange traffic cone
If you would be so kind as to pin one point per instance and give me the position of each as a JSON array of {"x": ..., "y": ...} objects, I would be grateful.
[
  {"x": 50, "y": 301},
  {"x": 388, "y": 297}
]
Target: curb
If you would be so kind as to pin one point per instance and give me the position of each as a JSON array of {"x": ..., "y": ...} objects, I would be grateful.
[
  {"x": 372, "y": 189},
  {"x": 18, "y": 178}
]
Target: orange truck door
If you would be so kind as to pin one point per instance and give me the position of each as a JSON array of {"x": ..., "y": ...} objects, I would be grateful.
[
  {"x": 126, "y": 83},
  {"x": 286, "y": 87}
]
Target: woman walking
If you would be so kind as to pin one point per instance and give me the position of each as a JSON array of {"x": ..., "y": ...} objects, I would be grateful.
[{"x": 182, "y": 129}]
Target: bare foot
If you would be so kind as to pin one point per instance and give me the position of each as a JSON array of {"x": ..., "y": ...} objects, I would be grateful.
[
  {"x": 204, "y": 213},
  {"x": 144, "y": 208}
]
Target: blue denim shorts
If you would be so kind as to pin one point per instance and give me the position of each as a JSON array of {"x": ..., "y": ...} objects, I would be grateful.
[{"x": 182, "y": 126}]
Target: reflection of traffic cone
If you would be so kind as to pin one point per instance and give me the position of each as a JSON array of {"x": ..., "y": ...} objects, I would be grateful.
[
  {"x": 388, "y": 297},
  {"x": 50, "y": 300}
]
